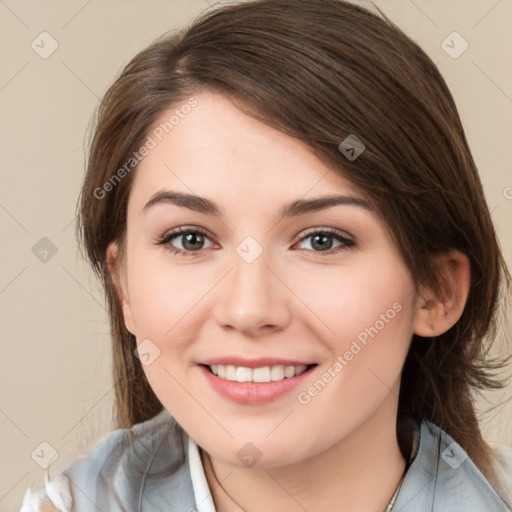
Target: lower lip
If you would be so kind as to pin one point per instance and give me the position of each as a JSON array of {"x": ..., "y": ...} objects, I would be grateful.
[{"x": 253, "y": 392}]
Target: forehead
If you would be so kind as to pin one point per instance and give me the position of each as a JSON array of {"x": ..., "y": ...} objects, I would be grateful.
[{"x": 216, "y": 150}]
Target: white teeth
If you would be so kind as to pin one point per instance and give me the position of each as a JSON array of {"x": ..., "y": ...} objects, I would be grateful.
[
  {"x": 289, "y": 371},
  {"x": 243, "y": 374},
  {"x": 277, "y": 372},
  {"x": 263, "y": 374},
  {"x": 230, "y": 372}
]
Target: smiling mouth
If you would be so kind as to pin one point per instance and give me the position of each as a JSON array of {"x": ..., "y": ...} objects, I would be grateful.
[{"x": 258, "y": 375}]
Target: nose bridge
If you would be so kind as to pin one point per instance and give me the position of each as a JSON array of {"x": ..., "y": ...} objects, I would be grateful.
[{"x": 252, "y": 296}]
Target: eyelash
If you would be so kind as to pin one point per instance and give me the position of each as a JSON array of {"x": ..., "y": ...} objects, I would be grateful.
[{"x": 166, "y": 239}]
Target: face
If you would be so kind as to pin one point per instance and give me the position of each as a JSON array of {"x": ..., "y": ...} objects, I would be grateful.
[{"x": 305, "y": 318}]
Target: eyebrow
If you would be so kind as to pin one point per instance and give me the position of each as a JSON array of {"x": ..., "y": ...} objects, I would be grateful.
[{"x": 295, "y": 208}]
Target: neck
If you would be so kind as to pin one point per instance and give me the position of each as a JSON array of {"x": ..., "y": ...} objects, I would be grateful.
[{"x": 360, "y": 472}]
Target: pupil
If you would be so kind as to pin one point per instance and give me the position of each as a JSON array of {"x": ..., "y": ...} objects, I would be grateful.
[
  {"x": 322, "y": 246},
  {"x": 192, "y": 236}
]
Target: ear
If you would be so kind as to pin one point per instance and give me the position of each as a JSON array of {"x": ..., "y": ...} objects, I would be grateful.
[
  {"x": 434, "y": 314},
  {"x": 117, "y": 270}
]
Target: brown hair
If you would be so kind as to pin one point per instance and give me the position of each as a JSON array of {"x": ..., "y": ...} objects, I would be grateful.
[{"x": 320, "y": 70}]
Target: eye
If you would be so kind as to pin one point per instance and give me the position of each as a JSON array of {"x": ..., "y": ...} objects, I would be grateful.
[
  {"x": 322, "y": 240},
  {"x": 192, "y": 240}
]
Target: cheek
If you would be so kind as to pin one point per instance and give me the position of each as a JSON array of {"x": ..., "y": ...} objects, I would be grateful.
[
  {"x": 370, "y": 319},
  {"x": 360, "y": 302},
  {"x": 368, "y": 315},
  {"x": 162, "y": 296},
  {"x": 162, "y": 299}
]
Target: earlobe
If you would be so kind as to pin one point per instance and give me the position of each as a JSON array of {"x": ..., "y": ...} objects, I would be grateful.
[
  {"x": 437, "y": 314},
  {"x": 118, "y": 276}
]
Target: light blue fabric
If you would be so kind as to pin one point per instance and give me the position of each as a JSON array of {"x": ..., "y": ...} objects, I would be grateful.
[
  {"x": 153, "y": 474},
  {"x": 443, "y": 478}
]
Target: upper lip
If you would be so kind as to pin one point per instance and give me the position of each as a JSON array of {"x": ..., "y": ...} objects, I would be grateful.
[{"x": 254, "y": 363}]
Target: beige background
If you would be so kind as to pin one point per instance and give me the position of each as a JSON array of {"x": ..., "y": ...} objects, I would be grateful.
[{"x": 55, "y": 382}]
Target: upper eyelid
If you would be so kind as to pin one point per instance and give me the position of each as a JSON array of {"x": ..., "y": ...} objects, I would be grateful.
[
  {"x": 172, "y": 233},
  {"x": 331, "y": 231}
]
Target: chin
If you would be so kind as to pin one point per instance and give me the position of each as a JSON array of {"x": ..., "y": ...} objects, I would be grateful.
[{"x": 264, "y": 454}]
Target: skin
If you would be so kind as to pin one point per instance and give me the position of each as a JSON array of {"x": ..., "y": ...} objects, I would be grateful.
[{"x": 294, "y": 301}]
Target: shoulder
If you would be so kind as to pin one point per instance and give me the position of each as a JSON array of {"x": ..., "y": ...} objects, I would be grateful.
[
  {"x": 117, "y": 469},
  {"x": 503, "y": 460},
  {"x": 443, "y": 477}
]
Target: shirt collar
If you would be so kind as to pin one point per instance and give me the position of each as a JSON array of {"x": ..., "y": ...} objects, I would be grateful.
[{"x": 202, "y": 494}]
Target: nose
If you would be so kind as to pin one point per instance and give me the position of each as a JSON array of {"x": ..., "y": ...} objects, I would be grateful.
[{"x": 253, "y": 298}]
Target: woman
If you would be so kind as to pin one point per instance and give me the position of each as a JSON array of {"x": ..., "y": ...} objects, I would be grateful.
[{"x": 301, "y": 271}]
